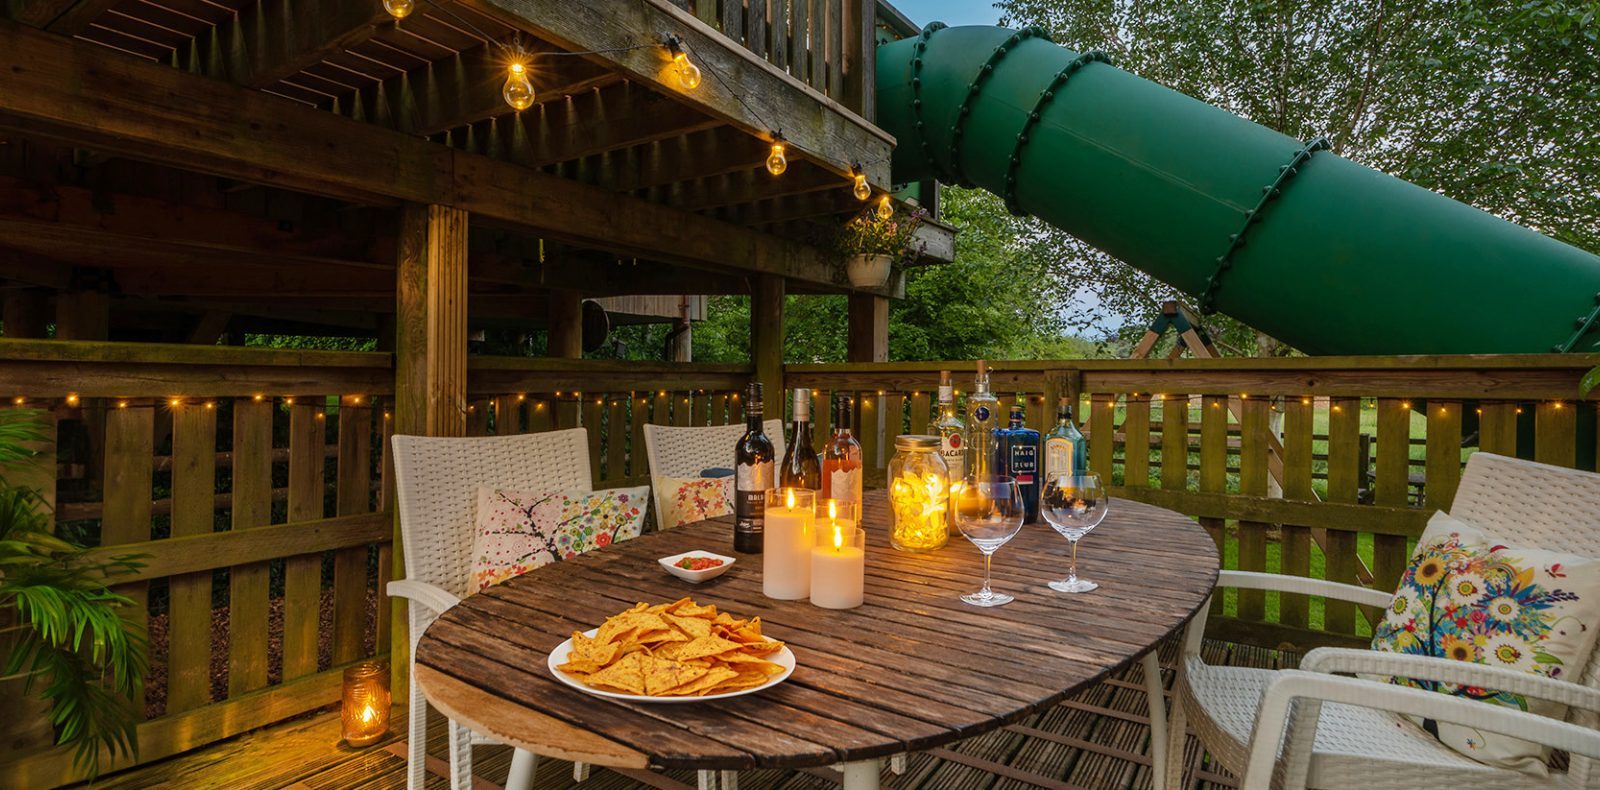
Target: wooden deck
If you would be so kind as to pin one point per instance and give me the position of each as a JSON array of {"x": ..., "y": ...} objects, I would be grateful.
[{"x": 1098, "y": 739}]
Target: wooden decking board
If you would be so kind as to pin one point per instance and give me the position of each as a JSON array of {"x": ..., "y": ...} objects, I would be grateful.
[{"x": 1098, "y": 739}]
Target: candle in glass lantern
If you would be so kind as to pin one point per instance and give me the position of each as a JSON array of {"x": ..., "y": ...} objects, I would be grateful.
[
  {"x": 838, "y": 567},
  {"x": 919, "y": 491},
  {"x": 364, "y": 713},
  {"x": 786, "y": 543}
]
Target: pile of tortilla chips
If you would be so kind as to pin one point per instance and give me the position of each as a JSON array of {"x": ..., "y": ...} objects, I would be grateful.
[{"x": 678, "y": 649}]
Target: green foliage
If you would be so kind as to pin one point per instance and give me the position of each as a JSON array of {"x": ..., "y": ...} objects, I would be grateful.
[
  {"x": 1488, "y": 102},
  {"x": 869, "y": 234},
  {"x": 1590, "y": 382},
  {"x": 999, "y": 299},
  {"x": 69, "y": 630}
]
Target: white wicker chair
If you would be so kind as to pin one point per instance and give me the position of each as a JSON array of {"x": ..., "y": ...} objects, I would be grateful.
[
  {"x": 436, "y": 486},
  {"x": 1312, "y": 727},
  {"x": 684, "y": 452}
]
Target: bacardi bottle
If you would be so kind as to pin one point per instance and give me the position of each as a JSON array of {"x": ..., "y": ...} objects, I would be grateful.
[{"x": 950, "y": 430}]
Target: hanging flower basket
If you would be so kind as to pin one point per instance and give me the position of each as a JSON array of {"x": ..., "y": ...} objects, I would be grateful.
[{"x": 869, "y": 270}]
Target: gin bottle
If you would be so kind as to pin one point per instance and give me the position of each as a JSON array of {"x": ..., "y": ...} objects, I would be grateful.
[
  {"x": 983, "y": 416},
  {"x": 1065, "y": 450}
]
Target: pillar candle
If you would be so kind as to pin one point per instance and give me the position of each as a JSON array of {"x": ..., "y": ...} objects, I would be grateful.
[
  {"x": 786, "y": 544},
  {"x": 838, "y": 568}
]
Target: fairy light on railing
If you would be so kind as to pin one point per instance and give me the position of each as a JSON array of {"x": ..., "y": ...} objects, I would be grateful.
[
  {"x": 399, "y": 9},
  {"x": 72, "y": 399}
]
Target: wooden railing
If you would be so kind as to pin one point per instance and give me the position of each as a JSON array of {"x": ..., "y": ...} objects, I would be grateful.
[
  {"x": 613, "y": 400},
  {"x": 826, "y": 44},
  {"x": 257, "y": 484},
  {"x": 254, "y": 483},
  {"x": 1325, "y": 467}
]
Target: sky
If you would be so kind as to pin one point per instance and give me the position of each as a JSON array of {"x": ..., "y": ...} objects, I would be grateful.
[{"x": 950, "y": 12}]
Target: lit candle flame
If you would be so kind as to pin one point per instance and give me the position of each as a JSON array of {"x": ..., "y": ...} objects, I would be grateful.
[
  {"x": 833, "y": 509},
  {"x": 838, "y": 538},
  {"x": 791, "y": 498}
]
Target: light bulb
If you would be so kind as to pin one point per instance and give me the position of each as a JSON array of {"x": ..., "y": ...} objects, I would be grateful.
[
  {"x": 861, "y": 190},
  {"x": 776, "y": 162},
  {"x": 885, "y": 208},
  {"x": 688, "y": 73},
  {"x": 518, "y": 91},
  {"x": 399, "y": 9}
]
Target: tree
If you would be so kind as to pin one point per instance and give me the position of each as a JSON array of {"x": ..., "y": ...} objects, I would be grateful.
[
  {"x": 1490, "y": 103},
  {"x": 1001, "y": 297}
]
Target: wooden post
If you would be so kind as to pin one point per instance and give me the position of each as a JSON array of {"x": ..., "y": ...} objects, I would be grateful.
[
  {"x": 566, "y": 325},
  {"x": 24, "y": 313},
  {"x": 766, "y": 338},
  {"x": 430, "y": 359},
  {"x": 860, "y": 56},
  {"x": 869, "y": 328}
]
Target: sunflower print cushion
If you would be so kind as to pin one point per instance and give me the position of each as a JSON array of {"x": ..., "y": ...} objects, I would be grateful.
[
  {"x": 518, "y": 531},
  {"x": 1467, "y": 598}
]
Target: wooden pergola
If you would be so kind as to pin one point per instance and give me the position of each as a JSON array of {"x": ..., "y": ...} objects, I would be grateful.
[{"x": 185, "y": 171}]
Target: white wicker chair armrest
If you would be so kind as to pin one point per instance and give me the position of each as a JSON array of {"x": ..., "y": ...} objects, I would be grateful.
[
  {"x": 424, "y": 593},
  {"x": 1344, "y": 660},
  {"x": 1253, "y": 580},
  {"x": 1299, "y": 694}
]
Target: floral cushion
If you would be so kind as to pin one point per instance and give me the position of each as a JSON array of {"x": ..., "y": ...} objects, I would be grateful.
[
  {"x": 522, "y": 530},
  {"x": 686, "y": 500},
  {"x": 1466, "y": 598}
]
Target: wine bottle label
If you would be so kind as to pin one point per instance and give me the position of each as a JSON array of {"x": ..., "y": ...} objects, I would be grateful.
[
  {"x": 845, "y": 484},
  {"x": 1058, "y": 458},
  {"x": 751, "y": 482}
]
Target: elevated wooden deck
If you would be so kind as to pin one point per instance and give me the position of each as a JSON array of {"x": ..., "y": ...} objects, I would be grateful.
[{"x": 1098, "y": 739}]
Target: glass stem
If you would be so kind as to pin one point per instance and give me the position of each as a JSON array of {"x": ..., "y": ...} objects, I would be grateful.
[
  {"x": 1072, "y": 565},
  {"x": 986, "y": 592}
]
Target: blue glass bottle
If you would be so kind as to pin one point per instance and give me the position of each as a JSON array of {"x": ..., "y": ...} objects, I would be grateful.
[{"x": 1017, "y": 454}]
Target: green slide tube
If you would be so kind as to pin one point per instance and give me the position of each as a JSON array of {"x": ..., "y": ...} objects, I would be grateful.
[{"x": 1318, "y": 251}]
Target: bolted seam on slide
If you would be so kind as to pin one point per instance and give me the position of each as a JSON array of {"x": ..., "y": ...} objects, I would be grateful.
[
  {"x": 1045, "y": 96},
  {"x": 1270, "y": 192},
  {"x": 976, "y": 87}
]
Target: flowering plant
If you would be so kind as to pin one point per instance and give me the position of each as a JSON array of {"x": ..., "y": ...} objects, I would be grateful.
[{"x": 868, "y": 234}]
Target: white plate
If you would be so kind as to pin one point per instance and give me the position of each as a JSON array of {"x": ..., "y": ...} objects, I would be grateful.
[
  {"x": 695, "y": 577},
  {"x": 783, "y": 658}
]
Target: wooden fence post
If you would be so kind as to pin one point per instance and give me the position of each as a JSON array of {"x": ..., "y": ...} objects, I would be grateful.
[{"x": 766, "y": 339}]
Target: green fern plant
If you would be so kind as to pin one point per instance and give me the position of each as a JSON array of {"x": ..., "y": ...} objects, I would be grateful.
[{"x": 66, "y": 626}]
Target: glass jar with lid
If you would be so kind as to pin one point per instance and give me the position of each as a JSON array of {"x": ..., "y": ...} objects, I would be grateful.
[{"x": 919, "y": 492}]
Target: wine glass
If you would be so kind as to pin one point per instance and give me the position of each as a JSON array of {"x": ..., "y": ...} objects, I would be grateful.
[
  {"x": 1073, "y": 505},
  {"x": 989, "y": 512}
]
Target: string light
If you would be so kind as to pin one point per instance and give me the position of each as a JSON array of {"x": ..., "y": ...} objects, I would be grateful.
[
  {"x": 174, "y": 403},
  {"x": 1405, "y": 404},
  {"x": 19, "y": 400},
  {"x": 518, "y": 91},
  {"x": 521, "y": 397},
  {"x": 399, "y": 9},
  {"x": 72, "y": 399},
  {"x": 885, "y": 208},
  {"x": 688, "y": 73},
  {"x": 862, "y": 190},
  {"x": 258, "y": 398},
  {"x": 122, "y": 404},
  {"x": 776, "y": 161}
]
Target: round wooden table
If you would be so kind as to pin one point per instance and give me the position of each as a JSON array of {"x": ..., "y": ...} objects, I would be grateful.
[{"x": 912, "y": 669}]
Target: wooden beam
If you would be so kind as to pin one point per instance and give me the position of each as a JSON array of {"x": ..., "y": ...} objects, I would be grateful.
[
  {"x": 766, "y": 338},
  {"x": 712, "y": 152},
  {"x": 750, "y": 92},
  {"x": 132, "y": 108},
  {"x": 265, "y": 43},
  {"x": 67, "y": 17},
  {"x": 754, "y": 184},
  {"x": 430, "y": 358},
  {"x": 565, "y": 319},
  {"x": 598, "y": 121},
  {"x": 869, "y": 328},
  {"x": 466, "y": 88}
]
